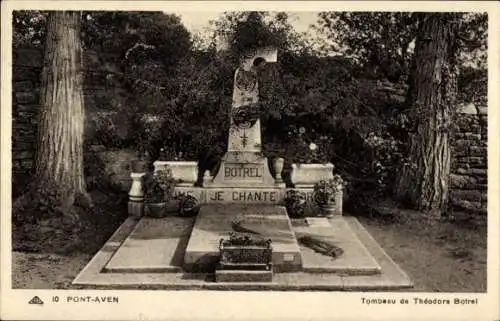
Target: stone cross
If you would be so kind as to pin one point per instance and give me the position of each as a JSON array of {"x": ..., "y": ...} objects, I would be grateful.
[
  {"x": 244, "y": 165},
  {"x": 246, "y": 136}
]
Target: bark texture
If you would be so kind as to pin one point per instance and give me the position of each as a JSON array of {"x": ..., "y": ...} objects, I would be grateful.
[
  {"x": 59, "y": 161},
  {"x": 424, "y": 179}
]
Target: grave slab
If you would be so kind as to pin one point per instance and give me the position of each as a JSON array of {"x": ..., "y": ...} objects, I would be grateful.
[
  {"x": 155, "y": 245},
  {"x": 355, "y": 260},
  {"x": 215, "y": 222},
  {"x": 392, "y": 278}
]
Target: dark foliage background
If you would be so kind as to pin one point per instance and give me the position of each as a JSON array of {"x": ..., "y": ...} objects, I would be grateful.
[{"x": 164, "y": 95}]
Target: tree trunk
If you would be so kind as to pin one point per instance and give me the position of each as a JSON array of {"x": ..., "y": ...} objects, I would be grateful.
[
  {"x": 59, "y": 158},
  {"x": 424, "y": 179}
]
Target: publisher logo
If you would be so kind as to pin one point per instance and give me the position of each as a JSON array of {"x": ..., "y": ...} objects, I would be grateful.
[{"x": 36, "y": 300}]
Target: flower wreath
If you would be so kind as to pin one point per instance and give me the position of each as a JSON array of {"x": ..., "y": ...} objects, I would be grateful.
[{"x": 246, "y": 116}]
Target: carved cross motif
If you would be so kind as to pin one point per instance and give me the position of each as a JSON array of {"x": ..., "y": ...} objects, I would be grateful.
[{"x": 244, "y": 139}]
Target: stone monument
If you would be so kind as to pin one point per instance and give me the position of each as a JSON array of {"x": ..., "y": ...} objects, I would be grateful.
[
  {"x": 243, "y": 189},
  {"x": 244, "y": 176},
  {"x": 242, "y": 233}
]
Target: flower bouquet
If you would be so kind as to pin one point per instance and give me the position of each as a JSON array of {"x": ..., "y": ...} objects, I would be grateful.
[
  {"x": 159, "y": 189},
  {"x": 328, "y": 195}
]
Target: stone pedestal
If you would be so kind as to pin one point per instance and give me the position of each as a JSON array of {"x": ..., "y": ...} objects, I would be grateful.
[
  {"x": 244, "y": 170},
  {"x": 136, "y": 196},
  {"x": 306, "y": 175},
  {"x": 136, "y": 209}
]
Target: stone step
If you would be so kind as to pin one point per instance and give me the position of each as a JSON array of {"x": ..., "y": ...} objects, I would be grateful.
[{"x": 243, "y": 276}]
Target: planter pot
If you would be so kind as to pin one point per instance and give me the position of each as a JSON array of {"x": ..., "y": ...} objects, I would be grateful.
[
  {"x": 333, "y": 207},
  {"x": 328, "y": 210},
  {"x": 185, "y": 172},
  {"x": 306, "y": 175},
  {"x": 156, "y": 210}
]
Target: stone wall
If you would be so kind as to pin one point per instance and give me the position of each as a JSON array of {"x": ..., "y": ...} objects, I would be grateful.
[
  {"x": 26, "y": 71},
  {"x": 469, "y": 161},
  {"x": 27, "y": 65}
]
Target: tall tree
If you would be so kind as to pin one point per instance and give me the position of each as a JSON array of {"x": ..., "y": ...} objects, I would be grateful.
[
  {"x": 59, "y": 160},
  {"x": 378, "y": 40},
  {"x": 431, "y": 98},
  {"x": 384, "y": 41},
  {"x": 49, "y": 215},
  {"x": 242, "y": 29}
]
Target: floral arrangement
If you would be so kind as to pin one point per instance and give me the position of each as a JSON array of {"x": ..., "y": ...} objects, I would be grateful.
[
  {"x": 295, "y": 203},
  {"x": 159, "y": 186},
  {"x": 247, "y": 239},
  {"x": 247, "y": 114},
  {"x": 187, "y": 205},
  {"x": 307, "y": 150},
  {"x": 325, "y": 190}
]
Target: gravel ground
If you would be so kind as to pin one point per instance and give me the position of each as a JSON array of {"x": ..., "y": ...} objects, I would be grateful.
[{"x": 442, "y": 258}]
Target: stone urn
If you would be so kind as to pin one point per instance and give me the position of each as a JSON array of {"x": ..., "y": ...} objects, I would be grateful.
[
  {"x": 185, "y": 172},
  {"x": 278, "y": 164},
  {"x": 136, "y": 195},
  {"x": 306, "y": 175}
]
